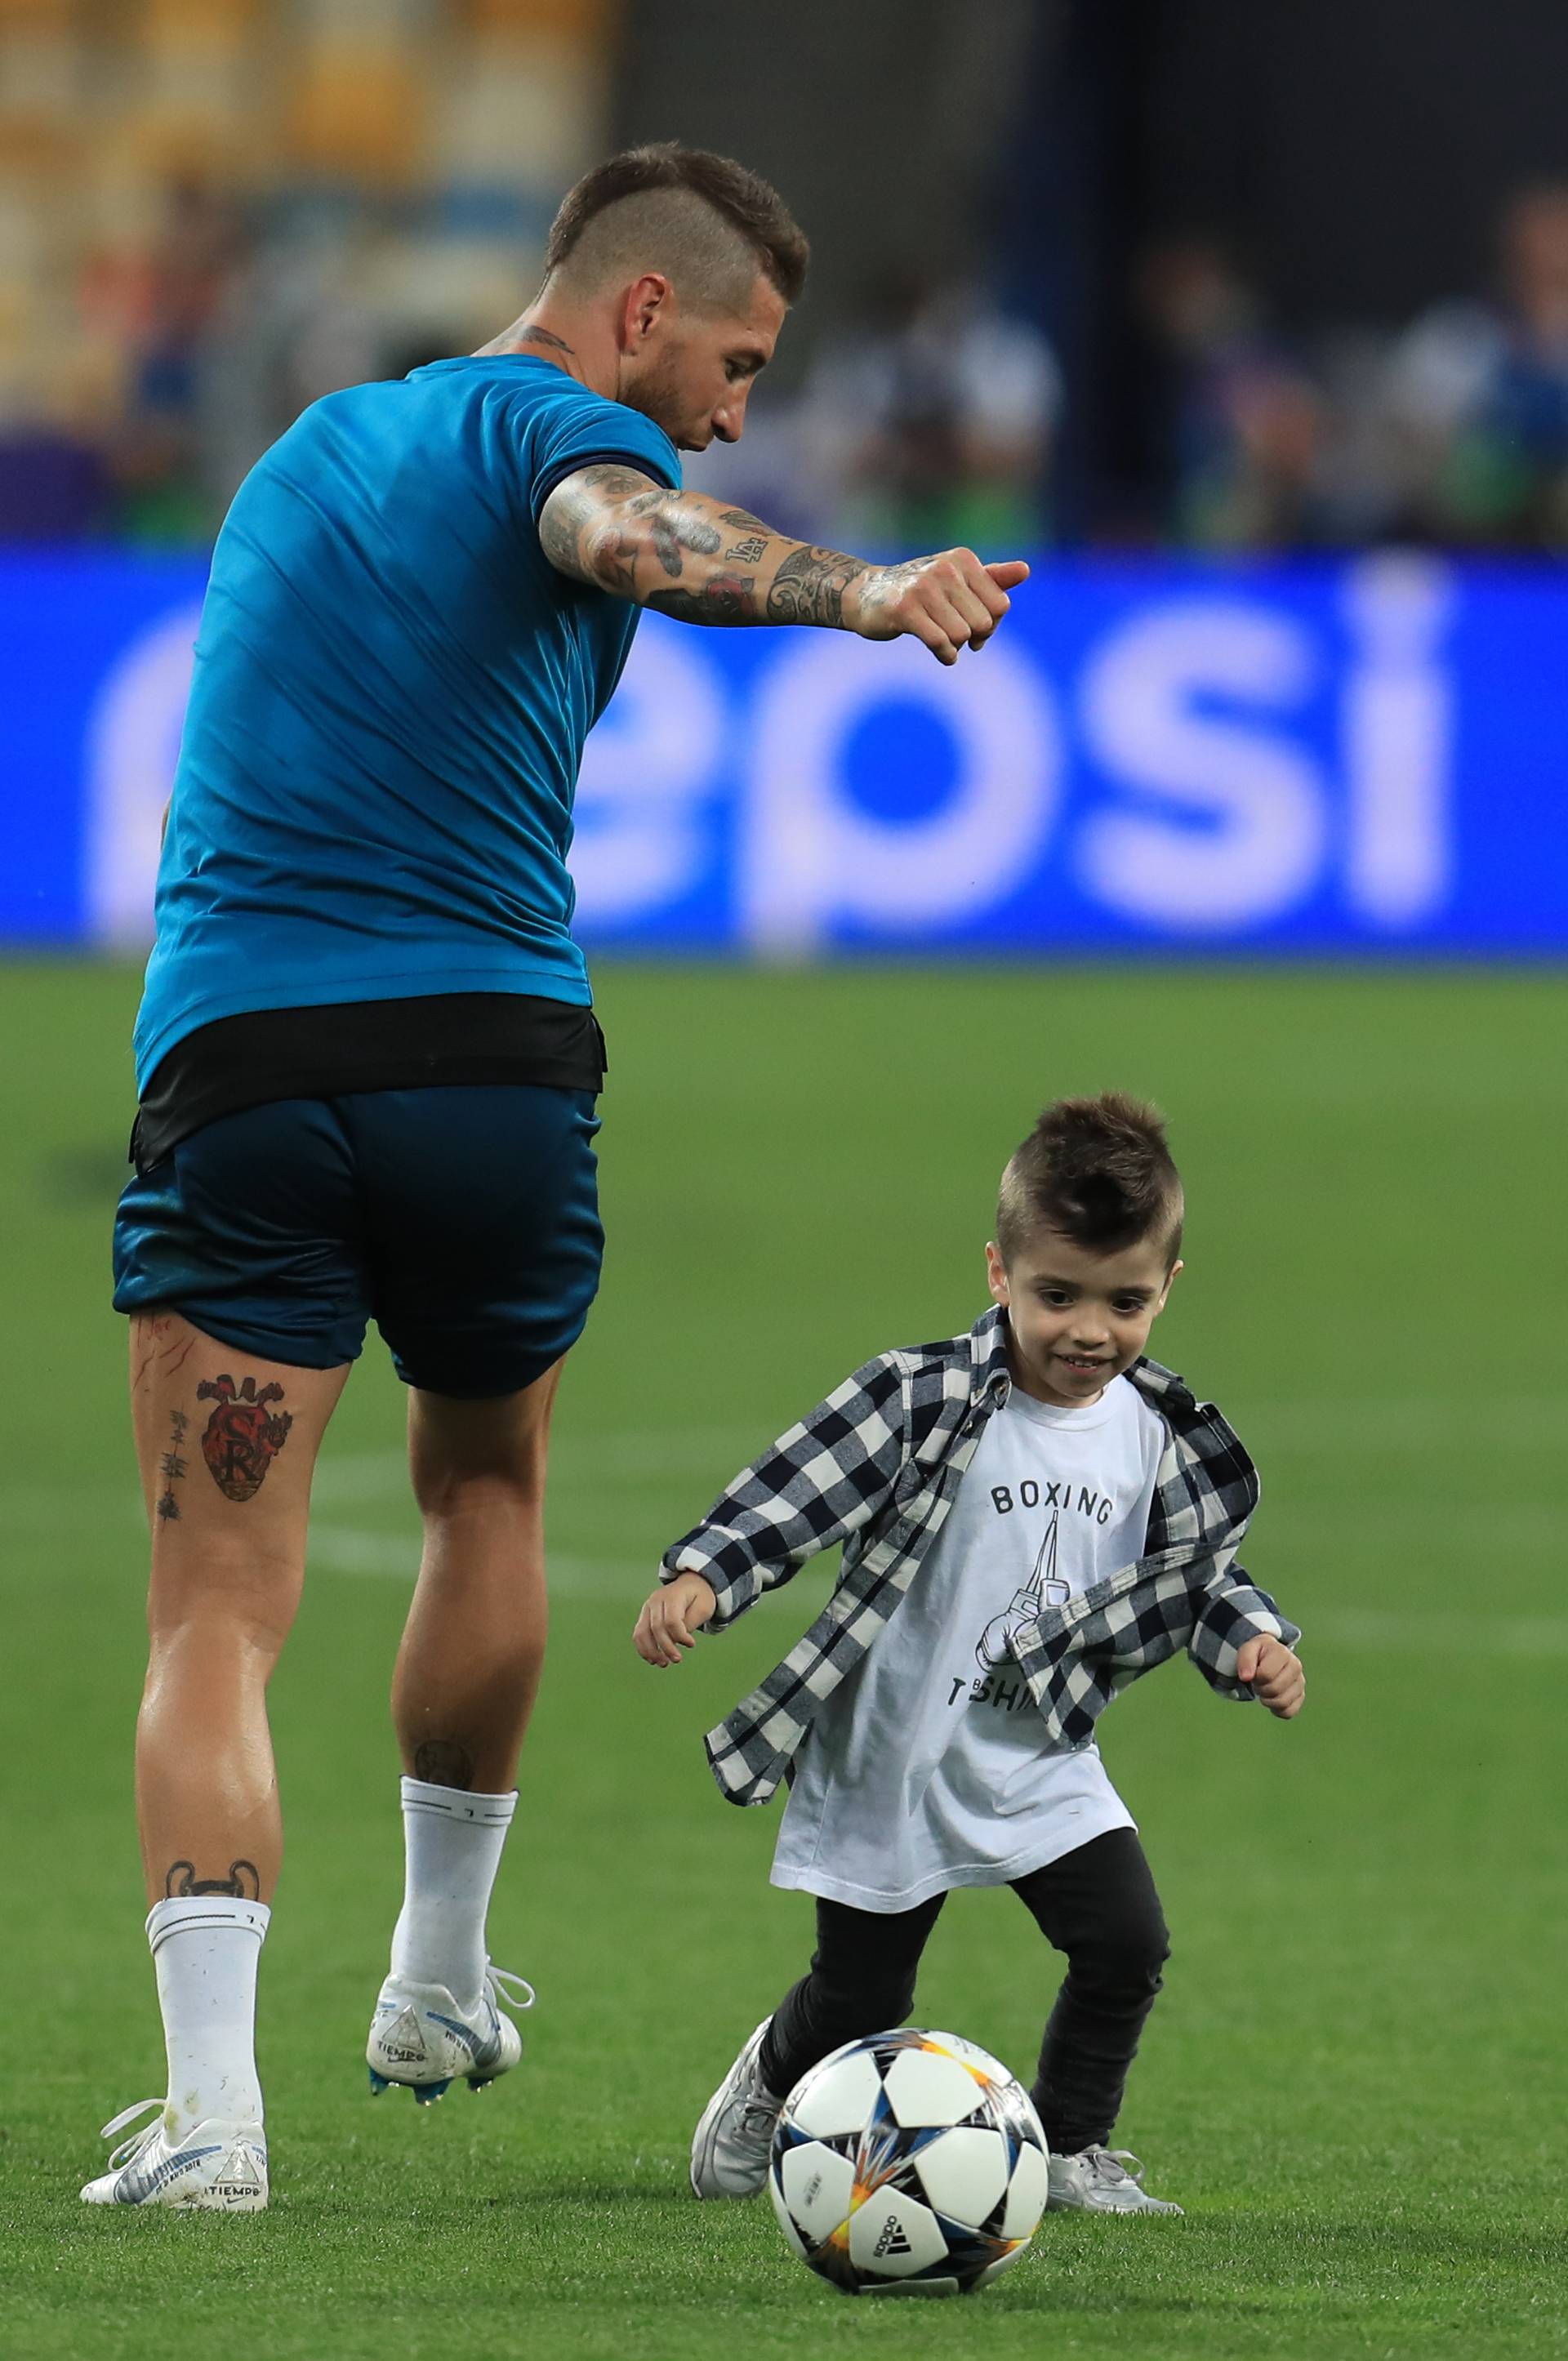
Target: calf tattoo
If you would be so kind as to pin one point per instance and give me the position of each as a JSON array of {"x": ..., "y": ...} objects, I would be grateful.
[
  {"x": 242, "y": 1438},
  {"x": 173, "y": 1467},
  {"x": 442, "y": 1763},
  {"x": 243, "y": 1880}
]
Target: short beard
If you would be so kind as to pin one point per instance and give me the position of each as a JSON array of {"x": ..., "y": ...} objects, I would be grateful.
[{"x": 654, "y": 394}]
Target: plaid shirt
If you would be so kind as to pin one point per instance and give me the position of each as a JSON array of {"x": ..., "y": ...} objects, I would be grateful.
[{"x": 877, "y": 1466}]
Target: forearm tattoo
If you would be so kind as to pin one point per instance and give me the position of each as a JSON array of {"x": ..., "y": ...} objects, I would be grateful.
[
  {"x": 809, "y": 587},
  {"x": 608, "y": 526},
  {"x": 243, "y": 1880},
  {"x": 722, "y": 598}
]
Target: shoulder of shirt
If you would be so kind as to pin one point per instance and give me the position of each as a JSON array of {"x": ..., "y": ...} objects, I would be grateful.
[
  {"x": 980, "y": 1343},
  {"x": 952, "y": 1370},
  {"x": 1173, "y": 1398},
  {"x": 542, "y": 383}
]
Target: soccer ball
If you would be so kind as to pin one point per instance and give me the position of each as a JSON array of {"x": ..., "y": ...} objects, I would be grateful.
[{"x": 909, "y": 2163}]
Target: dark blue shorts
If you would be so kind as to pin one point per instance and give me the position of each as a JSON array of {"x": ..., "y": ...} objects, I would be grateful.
[{"x": 463, "y": 1220}]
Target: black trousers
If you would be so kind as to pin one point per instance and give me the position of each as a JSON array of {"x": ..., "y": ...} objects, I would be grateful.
[{"x": 1098, "y": 1904}]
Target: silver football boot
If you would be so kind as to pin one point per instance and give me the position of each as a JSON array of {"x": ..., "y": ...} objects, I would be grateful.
[
  {"x": 1101, "y": 2180},
  {"x": 734, "y": 2137}
]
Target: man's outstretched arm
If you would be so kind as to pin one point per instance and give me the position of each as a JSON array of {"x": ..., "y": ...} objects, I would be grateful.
[{"x": 691, "y": 556}]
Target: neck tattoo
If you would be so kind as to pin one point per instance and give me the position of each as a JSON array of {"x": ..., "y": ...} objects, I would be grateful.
[{"x": 544, "y": 337}]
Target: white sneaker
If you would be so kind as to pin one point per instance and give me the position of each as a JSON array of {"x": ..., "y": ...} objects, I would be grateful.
[
  {"x": 420, "y": 2036},
  {"x": 734, "y": 2137},
  {"x": 218, "y": 2165},
  {"x": 1101, "y": 2180}
]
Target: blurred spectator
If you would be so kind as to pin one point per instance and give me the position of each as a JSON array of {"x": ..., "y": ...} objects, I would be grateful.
[
  {"x": 929, "y": 425},
  {"x": 1248, "y": 434},
  {"x": 164, "y": 301},
  {"x": 1478, "y": 397}
]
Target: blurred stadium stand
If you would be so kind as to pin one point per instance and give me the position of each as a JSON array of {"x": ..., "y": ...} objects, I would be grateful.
[
  {"x": 1131, "y": 276},
  {"x": 213, "y": 211}
]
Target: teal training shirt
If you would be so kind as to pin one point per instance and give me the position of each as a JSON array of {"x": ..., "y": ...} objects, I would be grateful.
[{"x": 392, "y": 687}]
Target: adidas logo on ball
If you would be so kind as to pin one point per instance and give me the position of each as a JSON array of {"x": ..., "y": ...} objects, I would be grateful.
[{"x": 893, "y": 2240}]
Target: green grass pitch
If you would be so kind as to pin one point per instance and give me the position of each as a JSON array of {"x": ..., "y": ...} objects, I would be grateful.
[{"x": 1357, "y": 2079}]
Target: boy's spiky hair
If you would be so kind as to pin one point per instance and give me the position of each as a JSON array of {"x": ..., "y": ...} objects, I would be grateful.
[{"x": 1099, "y": 1171}]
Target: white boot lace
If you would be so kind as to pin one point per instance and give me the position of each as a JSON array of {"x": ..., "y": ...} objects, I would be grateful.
[
  {"x": 513, "y": 1993},
  {"x": 140, "y": 2141}
]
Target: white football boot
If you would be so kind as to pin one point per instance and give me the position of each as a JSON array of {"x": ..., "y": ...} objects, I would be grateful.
[
  {"x": 734, "y": 2136},
  {"x": 217, "y": 2166},
  {"x": 1101, "y": 2180},
  {"x": 420, "y": 2036}
]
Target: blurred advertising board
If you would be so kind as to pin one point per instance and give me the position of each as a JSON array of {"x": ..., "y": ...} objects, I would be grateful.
[{"x": 1367, "y": 759}]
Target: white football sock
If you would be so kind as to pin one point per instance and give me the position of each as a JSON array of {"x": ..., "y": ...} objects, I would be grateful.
[
  {"x": 205, "y": 1948},
  {"x": 452, "y": 1842}
]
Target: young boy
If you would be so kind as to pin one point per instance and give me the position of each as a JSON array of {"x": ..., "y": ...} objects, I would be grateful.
[{"x": 1050, "y": 1515}]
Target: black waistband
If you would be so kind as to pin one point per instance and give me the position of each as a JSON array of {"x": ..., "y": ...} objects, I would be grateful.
[{"x": 364, "y": 1045}]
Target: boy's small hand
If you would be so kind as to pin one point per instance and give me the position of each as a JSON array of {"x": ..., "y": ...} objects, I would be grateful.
[
  {"x": 1274, "y": 1675},
  {"x": 671, "y": 1617}
]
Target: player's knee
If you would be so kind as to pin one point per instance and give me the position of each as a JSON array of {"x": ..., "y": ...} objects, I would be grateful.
[
  {"x": 218, "y": 1620},
  {"x": 1127, "y": 1953},
  {"x": 471, "y": 1458},
  {"x": 454, "y": 1495}
]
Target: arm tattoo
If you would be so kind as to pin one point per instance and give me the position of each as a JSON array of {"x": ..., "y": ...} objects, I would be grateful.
[
  {"x": 442, "y": 1763},
  {"x": 609, "y": 476},
  {"x": 243, "y": 1880},
  {"x": 574, "y": 519},
  {"x": 809, "y": 587},
  {"x": 723, "y": 599},
  {"x": 674, "y": 533},
  {"x": 604, "y": 524},
  {"x": 612, "y": 557}
]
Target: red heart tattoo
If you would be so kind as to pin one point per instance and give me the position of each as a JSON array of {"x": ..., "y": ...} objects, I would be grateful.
[{"x": 243, "y": 1437}]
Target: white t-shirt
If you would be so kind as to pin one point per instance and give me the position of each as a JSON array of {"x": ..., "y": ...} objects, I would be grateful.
[{"x": 928, "y": 1767}]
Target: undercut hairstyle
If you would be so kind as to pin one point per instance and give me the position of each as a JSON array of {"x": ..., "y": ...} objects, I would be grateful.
[
  {"x": 1098, "y": 1172},
  {"x": 704, "y": 220}
]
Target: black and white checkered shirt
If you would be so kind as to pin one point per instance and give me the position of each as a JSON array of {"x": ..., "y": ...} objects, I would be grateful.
[{"x": 877, "y": 1466}]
